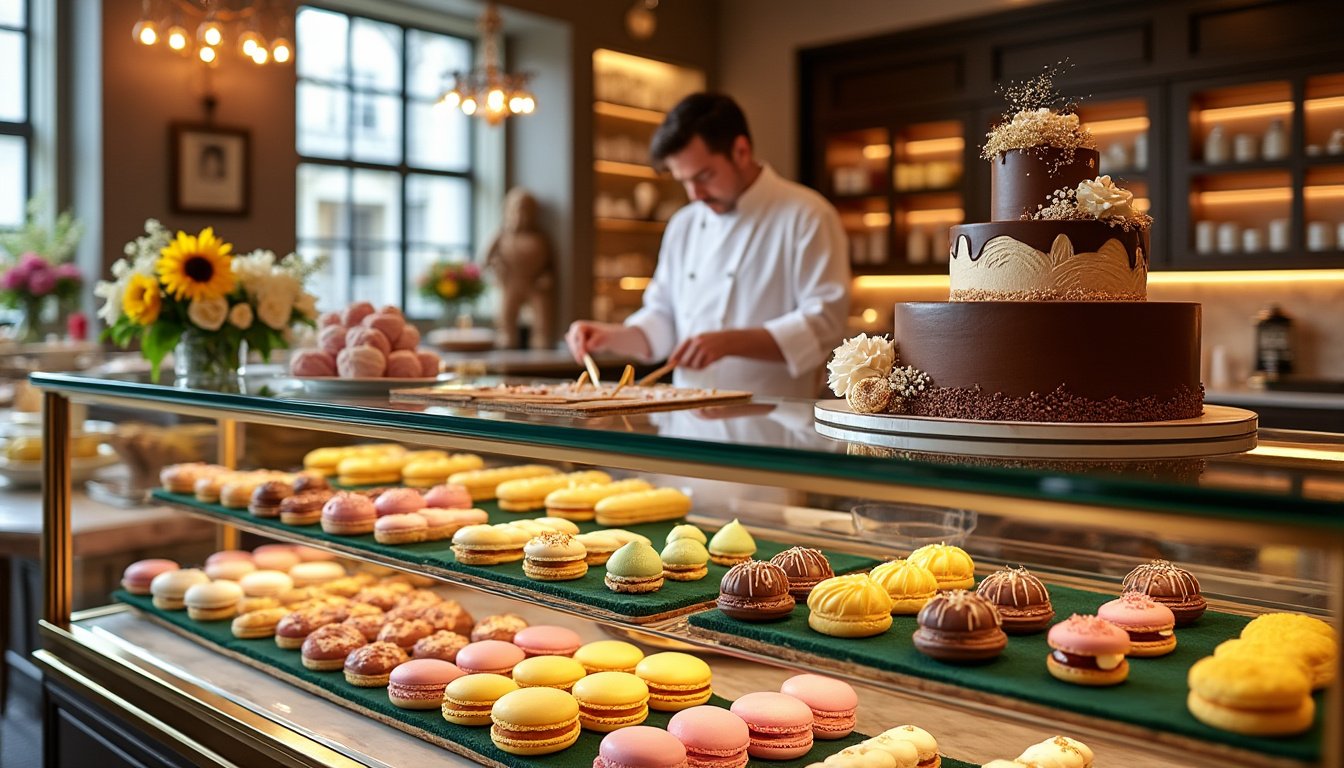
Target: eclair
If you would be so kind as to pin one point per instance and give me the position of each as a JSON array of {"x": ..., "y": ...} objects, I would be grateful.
[
  {"x": 642, "y": 507},
  {"x": 527, "y": 494},
  {"x": 427, "y": 472},
  {"x": 481, "y": 483},
  {"x": 576, "y": 502}
]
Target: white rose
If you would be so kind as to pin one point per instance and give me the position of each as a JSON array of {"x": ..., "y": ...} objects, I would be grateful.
[
  {"x": 275, "y": 307},
  {"x": 860, "y": 358},
  {"x": 306, "y": 305},
  {"x": 240, "y": 316},
  {"x": 208, "y": 314},
  {"x": 1103, "y": 199}
]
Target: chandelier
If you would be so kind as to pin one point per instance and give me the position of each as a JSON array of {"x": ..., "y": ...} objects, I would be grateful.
[
  {"x": 219, "y": 25},
  {"x": 486, "y": 91}
]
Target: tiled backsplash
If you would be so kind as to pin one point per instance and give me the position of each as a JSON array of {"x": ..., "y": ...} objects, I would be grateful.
[{"x": 1317, "y": 309}]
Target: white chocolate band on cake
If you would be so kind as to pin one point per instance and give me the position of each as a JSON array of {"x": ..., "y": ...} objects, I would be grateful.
[{"x": 1007, "y": 269}]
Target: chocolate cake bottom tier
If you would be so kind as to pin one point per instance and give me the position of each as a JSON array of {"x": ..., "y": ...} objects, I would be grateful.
[{"x": 1054, "y": 361}]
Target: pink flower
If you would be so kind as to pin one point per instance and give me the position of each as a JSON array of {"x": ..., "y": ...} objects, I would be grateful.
[
  {"x": 69, "y": 272},
  {"x": 13, "y": 279},
  {"x": 41, "y": 282},
  {"x": 471, "y": 271},
  {"x": 31, "y": 261}
]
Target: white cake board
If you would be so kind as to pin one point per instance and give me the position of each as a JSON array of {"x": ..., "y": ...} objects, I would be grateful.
[{"x": 1221, "y": 430}]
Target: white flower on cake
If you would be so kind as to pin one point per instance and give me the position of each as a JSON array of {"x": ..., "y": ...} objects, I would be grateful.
[
  {"x": 1103, "y": 199},
  {"x": 859, "y": 358},
  {"x": 209, "y": 314}
]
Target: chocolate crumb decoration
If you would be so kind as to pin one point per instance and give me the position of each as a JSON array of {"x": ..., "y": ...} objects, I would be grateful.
[
  {"x": 1061, "y": 405},
  {"x": 907, "y": 383}
]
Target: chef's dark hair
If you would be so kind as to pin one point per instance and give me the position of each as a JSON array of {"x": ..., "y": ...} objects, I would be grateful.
[{"x": 714, "y": 117}]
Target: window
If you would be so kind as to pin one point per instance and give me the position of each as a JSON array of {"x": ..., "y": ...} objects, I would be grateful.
[
  {"x": 16, "y": 130},
  {"x": 385, "y": 180}
]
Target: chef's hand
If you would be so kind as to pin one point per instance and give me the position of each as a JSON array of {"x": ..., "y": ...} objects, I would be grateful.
[
  {"x": 586, "y": 337},
  {"x": 707, "y": 348}
]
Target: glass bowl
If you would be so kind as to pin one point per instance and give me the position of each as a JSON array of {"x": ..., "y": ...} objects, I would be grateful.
[{"x": 911, "y": 526}]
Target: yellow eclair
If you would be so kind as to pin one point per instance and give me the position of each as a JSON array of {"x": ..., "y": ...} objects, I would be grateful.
[
  {"x": 527, "y": 494},
  {"x": 577, "y": 501},
  {"x": 369, "y": 470},
  {"x": 642, "y": 507},
  {"x": 326, "y": 461},
  {"x": 481, "y": 483},
  {"x": 426, "y": 473}
]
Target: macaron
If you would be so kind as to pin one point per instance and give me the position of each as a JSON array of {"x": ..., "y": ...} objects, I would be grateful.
[
  {"x": 535, "y": 721},
  {"x": 547, "y": 640},
  {"x": 805, "y": 568},
  {"x": 849, "y": 606},
  {"x": 554, "y": 557},
  {"x": 490, "y": 656},
  {"x": 926, "y": 746},
  {"x": 609, "y": 656},
  {"x": 1058, "y": 751},
  {"x": 448, "y": 496},
  {"x": 420, "y": 683},
  {"x": 229, "y": 570},
  {"x": 1086, "y": 650},
  {"x": 1273, "y": 624},
  {"x": 1150, "y": 624},
  {"x": 327, "y": 647},
  {"x": 676, "y": 681},
  {"x": 640, "y": 746},
  {"x": 685, "y": 560},
  {"x": 316, "y": 572},
  {"x": 169, "y": 587},
  {"x": 348, "y": 514},
  {"x": 951, "y": 566},
  {"x": 779, "y": 726},
  {"x": 599, "y": 545},
  {"x": 1171, "y": 585},
  {"x": 488, "y": 544},
  {"x": 468, "y": 699},
  {"x": 731, "y": 544},
  {"x": 755, "y": 591},
  {"x": 501, "y": 626},
  {"x": 138, "y": 575},
  {"x": 635, "y": 568},
  {"x": 910, "y": 586},
  {"x": 863, "y": 755},
  {"x": 547, "y": 672},
  {"x": 611, "y": 700},
  {"x": 1255, "y": 697},
  {"x": 1022, "y": 599},
  {"x": 1316, "y": 654},
  {"x": 212, "y": 600},
  {"x": 275, "y": 557},
  {"x": 399, "y": 501},
  {"x": 370, "y": 666},
  {"x": 960, "y": 627},
  {"x": 899, "y": 754},
  {"x": 834, "y": 703},
  {"x": 713, "y": 737},
  {"x": 686, "y": 531}
]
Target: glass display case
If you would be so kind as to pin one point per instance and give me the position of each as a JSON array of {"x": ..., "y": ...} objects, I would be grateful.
[
  {"x": 1260, "y": 529},
  {"x": 633, "y": 201}
]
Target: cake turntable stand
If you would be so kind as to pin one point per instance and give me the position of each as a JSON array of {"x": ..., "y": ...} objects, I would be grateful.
[{"x": 1221, "y": 430}]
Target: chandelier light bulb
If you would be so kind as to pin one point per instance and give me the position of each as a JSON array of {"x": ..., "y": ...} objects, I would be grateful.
[
  {"x": 146, "y": 32},
  {"x": 261, "y": 54},
  {"x": 210, "y": 33},
  {"x": 281, "y": 51},
  {"x": 178, "y": 39},
  {"x": 529, "y": 105},
  {"x": 468, "y": 106},
  {"x": 516, "y": 105},
  {"x": 495, "y": 100},
  {"x": 208, "y": 54},
  {"x": 248, "y": 42}
]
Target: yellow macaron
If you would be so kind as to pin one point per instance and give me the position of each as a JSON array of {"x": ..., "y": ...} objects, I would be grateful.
[
  {"x": 849, "y": 606},
  {"x": 1256, "y": 697},
  {"x": 560, "y": 672},
  {"x": 953, "y": 568},
  {"x": 609, "y": 656},
  {"x": 468, "y": 699},
  {"x": 910, "y": 585},
  {"x": 535, "y": 721},
  {"x": 676, "y": 681},
  {"x": 611, "y": 700}
]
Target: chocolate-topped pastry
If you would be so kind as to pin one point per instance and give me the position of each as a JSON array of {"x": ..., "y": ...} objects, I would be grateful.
[
  {"x": 959, "y": 626},
  {"x": 373, "y": 493},
  {"x": 449, "y": 615},
  {"x": 1022, "y": 600},
  {"x": 304, "y": 508},
  {"x": 440, "y": 645},
  {"x": 404, "y": 632},
  {"x": 266, "y": 498},
  {"x": 499, "y": 627},
  {"x": 310, "y": 481},
  {"x": 1170, "y": 585},
  {"x": 755, "y": 591},
  {"x": 805, "y": 568},
  {"x": 370, "y": 665}
]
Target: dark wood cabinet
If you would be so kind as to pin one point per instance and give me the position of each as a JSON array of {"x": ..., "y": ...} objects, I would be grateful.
[{"x": 1154, "y": 78}]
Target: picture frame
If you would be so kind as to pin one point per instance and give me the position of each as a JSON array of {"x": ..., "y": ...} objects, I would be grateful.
[{"x": 211, "y": 169}]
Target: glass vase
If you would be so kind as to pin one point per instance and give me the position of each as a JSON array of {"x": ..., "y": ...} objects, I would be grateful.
[
  {"x": 33, "y": 326},
  {"x": 205, "y": 360}
]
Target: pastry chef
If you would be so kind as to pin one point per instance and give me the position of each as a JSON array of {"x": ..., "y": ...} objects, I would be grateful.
[{"x": 752, "y": 285}]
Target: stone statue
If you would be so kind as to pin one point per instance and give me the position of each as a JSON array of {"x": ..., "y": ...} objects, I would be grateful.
[{"x": 520, "y": 257}]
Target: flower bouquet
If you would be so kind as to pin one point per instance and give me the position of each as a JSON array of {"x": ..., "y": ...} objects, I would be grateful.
[
  {"x": 40, "y": 269},
  {"x": 453, "y": 284},
  {"x": 190, "y": 293}
]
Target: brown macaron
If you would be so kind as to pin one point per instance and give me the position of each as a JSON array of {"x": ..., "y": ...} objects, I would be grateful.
[
  {"x": 266, "y": 498},
  {"x": 498, "y": 627},
  {"x": 440, "y": 645},
  {"x": 805, "y": 568},
  {"x": 755, "y": 591},
  {"x": 369, "y": 666},
  {"x": 1022, "y": 599},
  {"x": 449, "y": 615},
  {"x": 1170, "y": 585},
  {"x": 304, "y": 508},
  {"x": 326, "y": 648},
  {"x": 960, "y": 627}
]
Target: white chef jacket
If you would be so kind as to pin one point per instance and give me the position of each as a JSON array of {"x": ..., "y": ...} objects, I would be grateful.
[{"x": 779, "y": 260}]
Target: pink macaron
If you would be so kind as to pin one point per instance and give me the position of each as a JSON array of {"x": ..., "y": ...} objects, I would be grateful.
[
  {"x": 313, "y": 362},
  {"x": 490, "y": 656},
  {"x": 419, "y": 683},
  {"x": 309, "y": 554},
  {"x": 1150, "y": 624},
  {"x": 138, "y": 575},
  {"x": 228, "y": 554},
  {"x": 349, "y": 514},
  {"x": 780, "y": 726},
  {"x": 399, "y": 501},
  {"x": 833, "y": 703},
  {"x": 713, "y": 737},
  {"x": 547, "y": 640},
  {"x": 355, "y": 313},
  {"x": 640, "y": 746},
  {"x": 275, "y": 557},
  {"x": 448, "y": 496}
]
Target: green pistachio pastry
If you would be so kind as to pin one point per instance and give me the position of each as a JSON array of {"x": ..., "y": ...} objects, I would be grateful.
[
  {"x": 634, "y": 568},
  {"x": 685, "y": 560},
  {"x": 732, "y": 544},
  {"x": 686, "y": 532}
]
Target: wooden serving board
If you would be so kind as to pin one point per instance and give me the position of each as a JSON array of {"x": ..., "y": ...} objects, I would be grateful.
[{"x": 567, "y": 400}]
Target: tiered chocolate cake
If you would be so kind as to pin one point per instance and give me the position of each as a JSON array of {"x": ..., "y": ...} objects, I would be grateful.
[{"x": 1048, "y": 318}]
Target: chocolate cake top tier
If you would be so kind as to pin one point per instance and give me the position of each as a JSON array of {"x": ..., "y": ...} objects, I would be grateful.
[{"x": 1023, "y": 179}]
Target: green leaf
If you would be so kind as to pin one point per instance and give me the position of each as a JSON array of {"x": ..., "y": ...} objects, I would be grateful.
[{"x": 158, "y": 341}]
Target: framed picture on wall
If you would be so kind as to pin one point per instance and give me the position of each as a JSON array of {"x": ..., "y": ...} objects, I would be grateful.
[{"x": 211, "y": 169}]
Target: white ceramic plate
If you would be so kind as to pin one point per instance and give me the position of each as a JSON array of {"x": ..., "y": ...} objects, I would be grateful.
[
  {"x": 356, "y": 387},
  {"x": 28, "y": 474}
]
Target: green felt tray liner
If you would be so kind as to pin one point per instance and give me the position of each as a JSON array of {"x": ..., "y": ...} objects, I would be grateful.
[
  {"x": 476, "y": 739},
  {"x": 1153, "y": 696},
  {"x": 675, "y": 596}
]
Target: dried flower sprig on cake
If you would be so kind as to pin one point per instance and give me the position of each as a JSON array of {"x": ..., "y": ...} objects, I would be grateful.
[
  {"x": 1038, "y": 116},
  {"x": 1096, "y": 199}
]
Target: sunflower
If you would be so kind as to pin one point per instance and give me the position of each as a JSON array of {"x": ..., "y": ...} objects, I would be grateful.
[
  {"x": 141, "y": 302},
  {"x": 196, "y": 267}
]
